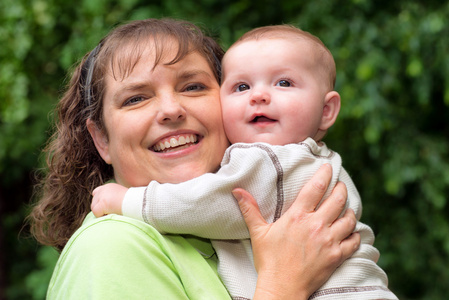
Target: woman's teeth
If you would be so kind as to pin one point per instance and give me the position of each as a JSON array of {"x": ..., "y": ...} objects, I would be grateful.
[{"x": 175, "y": 142}]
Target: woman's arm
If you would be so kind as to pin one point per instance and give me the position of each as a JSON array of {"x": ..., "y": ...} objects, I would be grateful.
[{"x": 295, "y": 255}]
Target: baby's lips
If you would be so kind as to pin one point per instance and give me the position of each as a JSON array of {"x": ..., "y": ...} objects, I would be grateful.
[{"x": 262, "y": 119}]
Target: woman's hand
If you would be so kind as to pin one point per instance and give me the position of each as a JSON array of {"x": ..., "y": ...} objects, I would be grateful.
[{"x": 297, "y": 254}]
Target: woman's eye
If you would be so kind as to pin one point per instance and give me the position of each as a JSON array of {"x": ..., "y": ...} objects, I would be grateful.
[
  {"x": 284, "y": 83},
  {"x": 194, "y": 88},
  {"x": 242, "y": 87},
  {"x": 133, "y": 100}
]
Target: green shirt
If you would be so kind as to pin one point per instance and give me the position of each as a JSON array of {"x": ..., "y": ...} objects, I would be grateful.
[{"x": 115, "y": 257}]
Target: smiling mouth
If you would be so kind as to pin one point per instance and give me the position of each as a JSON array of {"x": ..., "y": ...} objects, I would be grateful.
[
  {"x": 262, "y": 119},
  {"x": 175, "y": 143}
]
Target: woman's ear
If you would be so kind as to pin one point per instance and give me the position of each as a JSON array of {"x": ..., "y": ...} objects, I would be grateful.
[
  {"x": 331, "y": 109},
  {"x": 100, "y": 140}
]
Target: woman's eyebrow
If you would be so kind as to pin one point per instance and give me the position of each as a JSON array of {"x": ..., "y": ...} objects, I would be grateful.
[
  {"x": 185, "y": 75},
  {"x": 135, "y": 86}
]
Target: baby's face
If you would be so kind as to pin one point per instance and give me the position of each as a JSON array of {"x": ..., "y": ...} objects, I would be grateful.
[{"x": 270, "y": 92}]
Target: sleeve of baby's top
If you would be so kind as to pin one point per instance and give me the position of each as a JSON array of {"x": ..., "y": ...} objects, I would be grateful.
[
  {"x": 359, "y": 277},
  {"x": 132, "y": 203},
  {"x": 204, "y": 206},
  {"x": 115, "y": 259}
]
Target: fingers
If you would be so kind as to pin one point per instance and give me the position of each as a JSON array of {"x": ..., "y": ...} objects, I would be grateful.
[
  {"x": 343, "y": 227},
  {"x": 332, "y": 207},
  {"x": 96, "y": 207},
  {"x": 312, "y": 193},
  {"x": 349, "y": 245},
  {"x": 250, "y": 210},
  {"x": 95, "y": 190}
]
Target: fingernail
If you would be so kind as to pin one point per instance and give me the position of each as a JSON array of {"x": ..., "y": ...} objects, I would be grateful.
[{"x": 237, "y": 195}]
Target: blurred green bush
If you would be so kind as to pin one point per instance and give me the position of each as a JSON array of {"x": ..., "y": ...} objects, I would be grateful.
[{"x": 393, "y": 75}]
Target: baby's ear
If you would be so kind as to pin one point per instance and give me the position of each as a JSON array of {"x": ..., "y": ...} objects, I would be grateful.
[
  {"x": 100, "y": 140},
  {"x": 331, "y": 109}
]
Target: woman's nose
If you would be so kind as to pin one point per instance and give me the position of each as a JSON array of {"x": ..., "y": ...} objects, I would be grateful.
[
  {"x": 171, "y": 110},
  {"x": 260, "y": 96}
]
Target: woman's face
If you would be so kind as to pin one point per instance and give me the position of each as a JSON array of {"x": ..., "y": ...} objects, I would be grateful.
[{"x": 163, "y": 123}]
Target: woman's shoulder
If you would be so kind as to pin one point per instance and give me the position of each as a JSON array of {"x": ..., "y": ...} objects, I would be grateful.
[
  {"x": 111, "y": 229},
  {"x": 112, "y": 236},
  {"x": 116, "y": 230},
  {"x": 115, "y": 224},
  {"x": 108, "y": 238},
  {"x": 115, "y": 251}
]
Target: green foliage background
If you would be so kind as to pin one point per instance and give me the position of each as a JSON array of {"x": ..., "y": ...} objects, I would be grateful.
[{"x": 393, "y": 75}]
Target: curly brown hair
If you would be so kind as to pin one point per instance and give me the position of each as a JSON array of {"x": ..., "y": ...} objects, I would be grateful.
[{"x": 74, "y": 167}]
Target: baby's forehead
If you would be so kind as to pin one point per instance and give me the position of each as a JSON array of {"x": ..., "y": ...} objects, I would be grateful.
[
  {"x": 292, "y": 47},
  {"x": 294, "y": 43}
]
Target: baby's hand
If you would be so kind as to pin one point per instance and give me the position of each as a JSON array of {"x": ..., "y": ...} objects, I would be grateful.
[{"x": 108, "y": 199}]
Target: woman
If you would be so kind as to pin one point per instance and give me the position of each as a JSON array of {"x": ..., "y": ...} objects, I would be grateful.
[{"x": 147, "y": 82}]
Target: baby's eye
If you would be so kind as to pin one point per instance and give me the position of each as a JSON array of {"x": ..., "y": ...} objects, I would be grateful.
[
  {"x": 284, "y": 83},
  {"x": 242, "y": 87}
]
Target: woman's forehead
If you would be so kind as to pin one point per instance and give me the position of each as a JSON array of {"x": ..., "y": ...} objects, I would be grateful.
[
  {"x": 128, "y": 55},
  {"x": 145, "y": 70}
]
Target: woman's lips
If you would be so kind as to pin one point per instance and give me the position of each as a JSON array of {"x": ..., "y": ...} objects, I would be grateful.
[{"x": 174, "y": 142}]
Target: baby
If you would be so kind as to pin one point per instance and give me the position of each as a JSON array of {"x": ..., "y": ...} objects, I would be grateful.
[{"x": 278, "y": 102}]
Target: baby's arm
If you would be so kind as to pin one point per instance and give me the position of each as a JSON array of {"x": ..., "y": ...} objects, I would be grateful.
[
  {"x": 204, "y": 206},
  {"x": 107, "y": 199}
]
